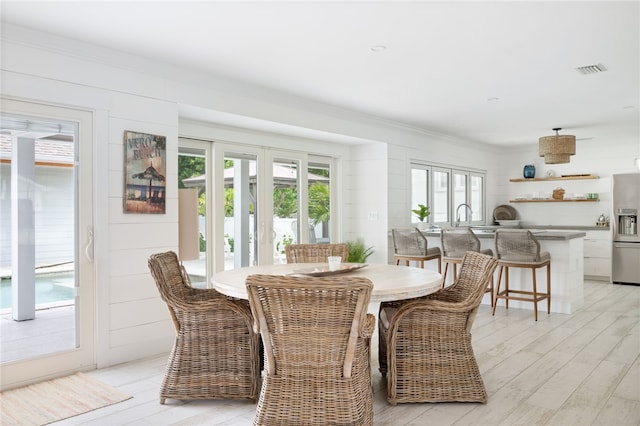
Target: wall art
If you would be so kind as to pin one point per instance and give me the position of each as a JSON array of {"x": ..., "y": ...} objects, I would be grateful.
[{"x": 145, "y": 171}]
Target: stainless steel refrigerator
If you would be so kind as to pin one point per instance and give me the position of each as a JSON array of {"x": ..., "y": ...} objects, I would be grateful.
[{"x": 625, "y": 260}]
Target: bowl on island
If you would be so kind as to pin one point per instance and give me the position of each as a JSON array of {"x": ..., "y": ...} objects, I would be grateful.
[{"x": 509, "y": 222}]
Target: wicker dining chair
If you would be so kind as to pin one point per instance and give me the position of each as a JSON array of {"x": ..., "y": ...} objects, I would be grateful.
[
  {"x": 521, "y": 249},
  {"x": 315, "y": 253},
  {"x": 410, "y": 245},
  {"x": 316, "y": 334},
  {"x": 455, "y": 242},
  {"x": 216, "y": 353},
  {"x": 425, "y": 343}
]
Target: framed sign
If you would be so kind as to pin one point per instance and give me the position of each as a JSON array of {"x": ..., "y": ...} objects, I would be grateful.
[{"x": 144, "y": 172}]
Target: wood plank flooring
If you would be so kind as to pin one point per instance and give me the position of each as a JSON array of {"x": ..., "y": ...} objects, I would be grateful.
[{"x": 578, "y": 369}]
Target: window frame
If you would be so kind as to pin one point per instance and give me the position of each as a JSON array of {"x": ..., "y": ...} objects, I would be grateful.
[{"x": 436, "y": 203}]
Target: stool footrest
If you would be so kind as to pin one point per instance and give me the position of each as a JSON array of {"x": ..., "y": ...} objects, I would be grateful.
[{"x": 507, "y": 295}]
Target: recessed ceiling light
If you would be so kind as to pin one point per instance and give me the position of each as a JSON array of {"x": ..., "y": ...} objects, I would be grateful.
[
  {"x": 378, "y": 48},
  {"x": 493, "y": 98}
]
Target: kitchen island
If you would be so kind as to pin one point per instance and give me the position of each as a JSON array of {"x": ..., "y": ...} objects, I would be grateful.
[{"x": 567, "y": 255}]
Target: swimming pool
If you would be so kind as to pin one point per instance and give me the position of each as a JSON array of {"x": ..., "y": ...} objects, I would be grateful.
[{"x": 50, "y": 288}]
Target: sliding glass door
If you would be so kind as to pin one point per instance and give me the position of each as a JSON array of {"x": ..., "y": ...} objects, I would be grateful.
[{"x": 46, "y": 259}]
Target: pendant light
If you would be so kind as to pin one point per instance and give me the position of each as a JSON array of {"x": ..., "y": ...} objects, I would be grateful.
[{"x": 557, "y": 149}]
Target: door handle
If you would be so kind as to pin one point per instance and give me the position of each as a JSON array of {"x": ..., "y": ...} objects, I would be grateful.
[{"x": 88, "y": 249}]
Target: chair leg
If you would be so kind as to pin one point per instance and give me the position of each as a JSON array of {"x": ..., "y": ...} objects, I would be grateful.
[
  {"x": 506, "y": 286},
  {"x": 495, "y": 302},
  {"x": 491, "y": 292},
  {"x": 549, "y": 288},
  {"x": 535, "y": 295},
  {"x": 444, "y": 276},
  {"x": 439, "y": 265}
]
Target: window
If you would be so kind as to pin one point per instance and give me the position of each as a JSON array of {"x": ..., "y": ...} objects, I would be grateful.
[{"x": 446, "y": 191}]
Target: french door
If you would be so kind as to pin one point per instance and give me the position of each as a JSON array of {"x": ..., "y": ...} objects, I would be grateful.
[
  {"x": 257, "y": 201},
  {"x": 48, "y": 289}
]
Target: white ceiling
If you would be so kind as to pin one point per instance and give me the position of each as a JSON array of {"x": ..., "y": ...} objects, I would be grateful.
[{"x": 444, "y": 61}]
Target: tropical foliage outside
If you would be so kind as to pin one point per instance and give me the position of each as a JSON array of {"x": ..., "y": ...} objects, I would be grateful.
[{"x": 285, "y": 200}]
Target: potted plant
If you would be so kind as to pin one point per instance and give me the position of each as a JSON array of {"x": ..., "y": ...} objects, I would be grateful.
[
  {"x": 422, "y": 212},
  {"x": 358, "y": 253}
]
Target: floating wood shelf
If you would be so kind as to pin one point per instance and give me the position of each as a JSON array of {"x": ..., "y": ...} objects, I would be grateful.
[
  {"x": 573, "y": 177},
  {"x": 552, "y": 200}
]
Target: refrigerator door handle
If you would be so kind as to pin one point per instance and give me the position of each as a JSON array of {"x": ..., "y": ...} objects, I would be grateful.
[{"x": 626, "y": 245}]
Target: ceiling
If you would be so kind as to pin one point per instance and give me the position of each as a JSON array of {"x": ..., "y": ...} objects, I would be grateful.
[{"x": 502, "y": 73}]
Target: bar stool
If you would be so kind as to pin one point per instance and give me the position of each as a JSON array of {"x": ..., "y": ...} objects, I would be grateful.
[
  {"x": 520, "y": 249},
  {"x": 455, "y": 242},
  {"x": 410, "y": 245}
]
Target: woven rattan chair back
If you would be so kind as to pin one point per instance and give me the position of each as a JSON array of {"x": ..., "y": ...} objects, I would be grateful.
[
  {"x": 457, "y": 241},
  {"x": 316, "y": 335},
  {"x": 475, "y": 269},
  {"x": 517, "y": 245},
  {"x": 409, "y": 241},
  {"x": 315, "y": 253},
  {"x": 210, "y": 323},
  {"x": 410, "y": 245},
  {"x": 419, "y": 336}
]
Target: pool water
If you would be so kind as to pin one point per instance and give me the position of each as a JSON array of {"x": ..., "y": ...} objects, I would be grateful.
[{"x": 50, "y": 288}]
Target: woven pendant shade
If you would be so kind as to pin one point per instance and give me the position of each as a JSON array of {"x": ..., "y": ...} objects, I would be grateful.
[{"x": 557, "y": 149}]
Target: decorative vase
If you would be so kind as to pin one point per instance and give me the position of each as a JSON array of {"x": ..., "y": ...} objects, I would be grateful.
[{"x": 529, "y": 171}]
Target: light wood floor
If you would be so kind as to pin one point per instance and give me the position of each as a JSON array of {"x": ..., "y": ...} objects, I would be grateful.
[{"x": 579, "y": 369}]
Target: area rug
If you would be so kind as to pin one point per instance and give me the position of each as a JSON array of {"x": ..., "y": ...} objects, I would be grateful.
[{"x": 58, "y": 399}]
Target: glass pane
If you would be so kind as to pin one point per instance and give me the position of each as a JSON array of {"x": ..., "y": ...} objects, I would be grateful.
[
  {"x": 240, "y": 215},
  {"x": 460, "y": 196},
  {"x": 440, "y": 209},
  {"x": 38, "y": 281},
  {"x": 419, "y": 190},
  {"x": 192, "y": 174},
  {"x": 477, "y": 198},
  {"x": 319, "y": 182},
  {"x": 285, "y": 206}
]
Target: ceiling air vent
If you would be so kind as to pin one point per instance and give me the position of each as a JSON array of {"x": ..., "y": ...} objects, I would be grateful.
[{"x": 591, "y": 69}]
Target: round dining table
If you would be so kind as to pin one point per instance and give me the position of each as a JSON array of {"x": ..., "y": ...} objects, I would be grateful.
[{"x": 390, "y": 282}]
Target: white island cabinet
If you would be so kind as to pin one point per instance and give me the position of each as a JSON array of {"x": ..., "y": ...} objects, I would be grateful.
[{"x": 567, "y": 269}]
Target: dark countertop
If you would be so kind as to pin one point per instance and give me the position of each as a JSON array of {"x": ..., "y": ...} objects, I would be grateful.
[
  {"x": 551, "y": 235},
  {"x": 565, "y": 227}
]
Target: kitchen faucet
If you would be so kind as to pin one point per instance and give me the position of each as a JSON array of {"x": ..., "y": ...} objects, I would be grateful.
[{"x": 458, "y": 213}]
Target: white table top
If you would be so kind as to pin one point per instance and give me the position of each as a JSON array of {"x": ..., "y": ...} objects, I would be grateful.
[{"x": 390, "y": 282}]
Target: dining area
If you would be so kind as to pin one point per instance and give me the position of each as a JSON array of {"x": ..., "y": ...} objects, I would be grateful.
[
  {"x": 306, "y": 333},
  {"x": 566, "y": 369}
]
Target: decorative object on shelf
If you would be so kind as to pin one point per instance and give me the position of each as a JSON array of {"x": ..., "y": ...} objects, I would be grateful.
[
  {"x": 558, "y": 194},
  {"x": 551, "y": 173},
  {"x": 529, "y": 171},
  {"x": 557, "y": 149},
  {"x": 504, "y": 212}
]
